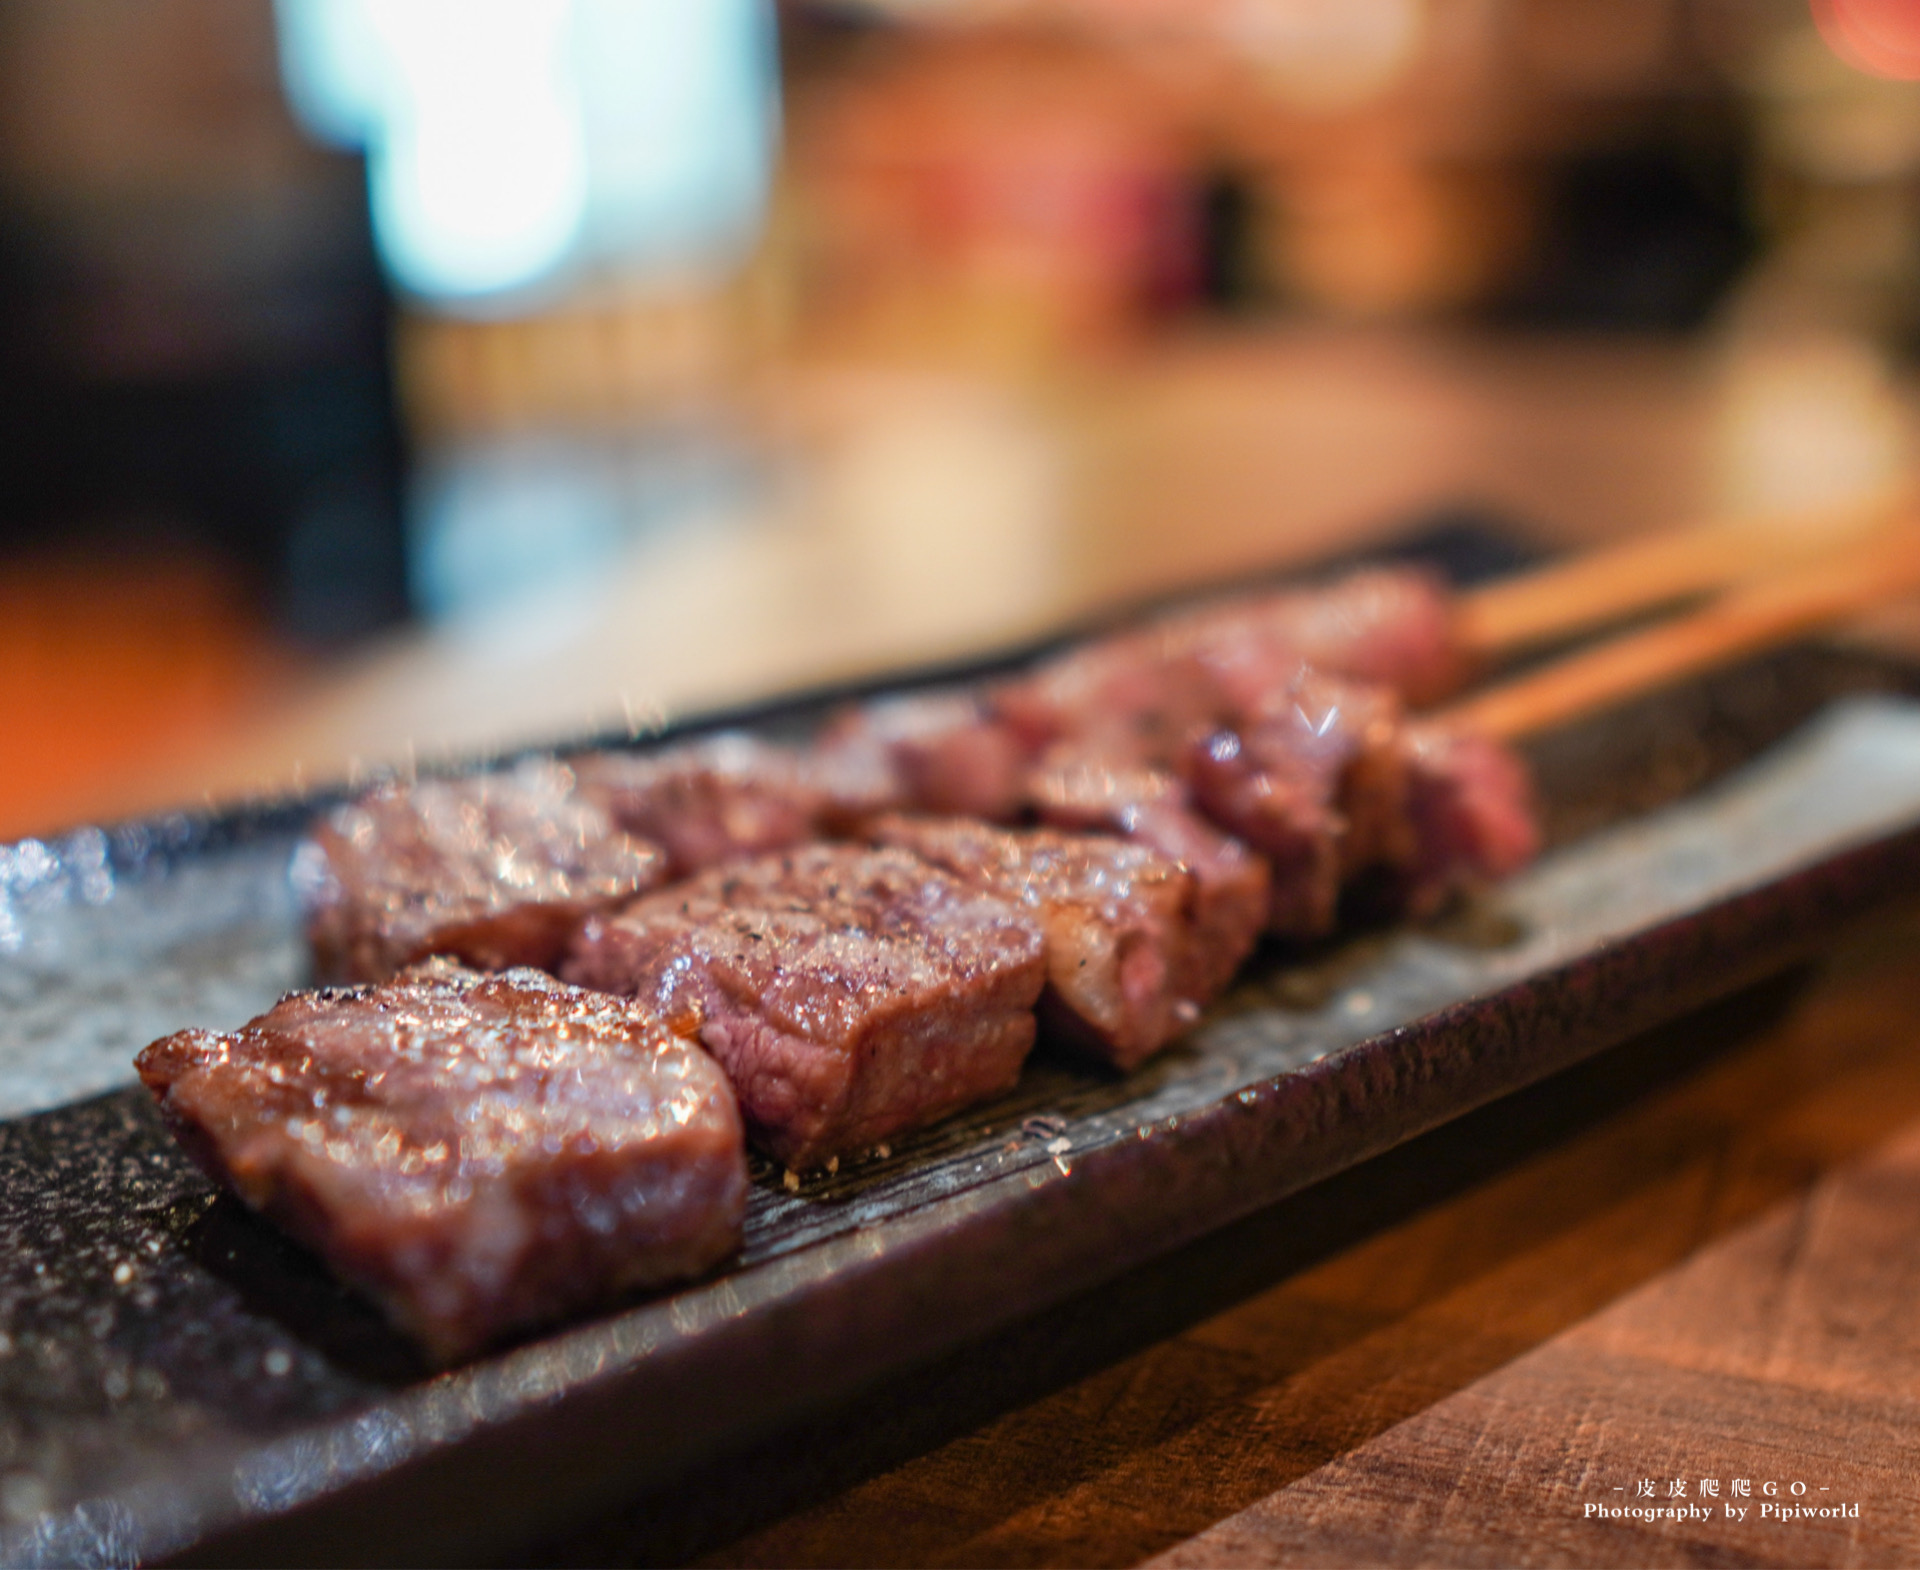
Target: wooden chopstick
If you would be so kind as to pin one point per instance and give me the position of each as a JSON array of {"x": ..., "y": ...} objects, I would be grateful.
[
  {"x": 1877, "y": 568},
  {"x": 1618, "y": 582}
]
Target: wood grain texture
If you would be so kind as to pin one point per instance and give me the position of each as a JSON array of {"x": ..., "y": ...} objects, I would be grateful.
[
  {"x": 1784, "y": 1356},
  {"x": 1714, "y": 1283}
]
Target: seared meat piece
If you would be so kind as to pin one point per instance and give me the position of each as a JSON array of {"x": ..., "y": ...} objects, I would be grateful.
[
  {"x": 1392, "y": 626},
  {"x": 1317, "y": 785},
  {"x": 481, "y": 1154},
  {"x": 1146, "y": 695},
  {"x": 1131, "y": 698},
  {"x": 1470, "y": 808},
  {"x": 856, "y": 776},
  {"x": 1118, "y": 919},
  {"x": 1284, "y": 807},
  {"x": 939, "y": 751},
  {"x": 714, "y": 800},
  {"x": 495, "y": 869},
  {"x": 850, "y": 994},
  {"x": 1150, "y": 807},
  {"x": 1336, "y": 783}
]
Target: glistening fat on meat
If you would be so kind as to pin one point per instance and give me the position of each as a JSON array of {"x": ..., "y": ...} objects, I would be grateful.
[
  {"x": 493, "y": 869},
  {"x": 480, "y": 1154},
  {"x": 850, "y": 994}
]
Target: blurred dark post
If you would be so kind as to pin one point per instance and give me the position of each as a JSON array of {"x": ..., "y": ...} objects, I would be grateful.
[{"x": 195, "y": 340}]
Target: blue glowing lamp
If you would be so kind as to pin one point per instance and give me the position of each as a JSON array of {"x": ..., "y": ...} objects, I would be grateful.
[{"x": 514, "y": 146}]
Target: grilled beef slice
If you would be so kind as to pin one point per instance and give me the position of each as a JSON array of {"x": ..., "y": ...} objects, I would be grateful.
[
  {"x": 1146, "y": 694},
  {"x": 939, "y": 752},
  {"x": 719, "y": 799},
  {"x": 1333, "y": 782},
  {"x": 1470, "y": 807},
  {"x": 1391, "y": 626},
  {"x": 1317, "y": 785},
  {"x": 1118, "y": 919},
  {"x": 850, "y": 994},
  {"x": 495, "y": 869},
  {"x": 481, "y": 1154},
  {"x": 1149, "y": 806}
]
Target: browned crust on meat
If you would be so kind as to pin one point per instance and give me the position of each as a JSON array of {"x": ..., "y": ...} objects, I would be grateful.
[
  {"x": 495, "y": 870},
  {"x": 851, "y": 994},
  {"x": 481, "y": 1155},
  {"x": 1117, "y": 918}
]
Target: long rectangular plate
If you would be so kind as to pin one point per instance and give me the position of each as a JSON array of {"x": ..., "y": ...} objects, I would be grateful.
[{"x": 176, "y": 1379}]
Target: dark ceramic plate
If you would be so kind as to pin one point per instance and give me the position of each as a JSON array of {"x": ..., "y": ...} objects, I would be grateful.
[{"x": 177, "y": 1380}]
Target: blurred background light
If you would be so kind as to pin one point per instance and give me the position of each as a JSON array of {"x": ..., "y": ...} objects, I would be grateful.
[
  {"x": 514, "y": 144},
  {"x": 1329, "y": 53},
  {"x": 1810, "y": 421},
  {"x": 500, "y": 522},
  {"x": 504, "y": 520},
  {"x": 330, "y": 67},
  {"x": 681, "y": 108},
  {"x": 478, "y": 167},
  {"x": 1880, "y": 36}
]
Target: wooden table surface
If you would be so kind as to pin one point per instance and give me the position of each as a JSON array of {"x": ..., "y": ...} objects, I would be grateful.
[{"x": 1693, "y": 1261}]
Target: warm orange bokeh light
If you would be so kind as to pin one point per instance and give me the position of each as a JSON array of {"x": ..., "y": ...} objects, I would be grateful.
[{"x": 1878, "y": 36}]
